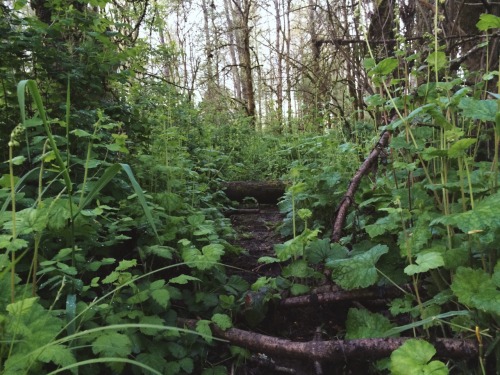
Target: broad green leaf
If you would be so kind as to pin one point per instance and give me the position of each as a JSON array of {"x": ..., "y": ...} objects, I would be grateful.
[
  {"x": 496, "y": 275},
  {"x": 161, "y": 251},
  {"x": 155, "y": 361},
  {"x": 437, "y": 60},
  {"x": 298, "y": 268},
  {"x": 299, "y": 289},
  {"x": 483, "y": 217},
  {"x": 488, "y": 21},
  {"x": 213, "y": 252},
  {"x": 413, "y": 357},
  {"x": 57, "y": 354},
  {"x": 424, "y": 263},
  {"x": 81, "y": 133},
  {"x": 458, "y": 148},
  {"x": 126, "y": 264},
  {"x": 59, "y": 214},
  {"x": 154, "y": 320},
  {"x": 183, "y": 279},
  {"x": 196, "y": 220},
  {"x": 112, "y": 344},
  {"x": 385, "y": 66},
  {"x": 363, "y": 324},
  {"x": 187, "y": 364},
  {"x": 21, "y": 307},
  {"x": 18, "y": 160},
  {"x": 161, "y": 297},
  {"x": 484, "y": 110},
  {"x": 223, "y": 321},
  {"x": 157, "y": 284},
  {"x": 475, "y": 288},
  {"x": 203, "y": 328},
  {"x": 319, "y": 251},
  {"x": 358, "y": 271}
]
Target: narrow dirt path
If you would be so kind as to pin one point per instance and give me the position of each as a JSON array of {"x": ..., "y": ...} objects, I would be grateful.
[{"x": 256, "y": 226}]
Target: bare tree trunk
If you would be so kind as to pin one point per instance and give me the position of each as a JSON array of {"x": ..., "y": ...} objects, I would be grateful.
[
  {"x": 232, "y": 52},
  {"x": 279, "y": 58},
  {"x": 209, "y": 50},
  {"x": 288, "y": 67},
  {"x": 243, "y": 8}
]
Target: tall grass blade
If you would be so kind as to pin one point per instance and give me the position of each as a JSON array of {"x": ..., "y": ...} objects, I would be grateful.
[
  {"x": 35, "y": 93},
  {"x": 422, "y": 322}
]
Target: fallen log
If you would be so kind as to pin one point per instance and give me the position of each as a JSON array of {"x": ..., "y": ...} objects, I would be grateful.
[
  {"x": 341, "y": 295},
  {"x": 335, "y": 350},
  {"x": 265, "y": 192},
  {"x": 348, "y": 198}
]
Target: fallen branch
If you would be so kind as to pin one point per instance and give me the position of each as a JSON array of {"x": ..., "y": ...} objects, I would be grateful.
[
  {"x": 340, "y": 295},
  {"x": 348, "y": 199},
  {"x": 337, "y": 350}
]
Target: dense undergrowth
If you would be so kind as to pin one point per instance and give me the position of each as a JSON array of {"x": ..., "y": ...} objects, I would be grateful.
[{"x": 111, "y": 223}]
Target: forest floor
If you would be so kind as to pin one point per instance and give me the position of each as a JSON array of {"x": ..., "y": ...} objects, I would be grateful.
[{"x": 257, "y": 228}]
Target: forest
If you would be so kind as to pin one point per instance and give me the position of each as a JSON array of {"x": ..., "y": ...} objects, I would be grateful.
[{"x": 249, "y": 187}]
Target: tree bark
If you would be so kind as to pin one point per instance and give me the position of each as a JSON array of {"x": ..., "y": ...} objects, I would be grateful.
[
  {"x": 337, "y": 351},
  {"x": 279, "y": 60},
  {"x": 243, "y": 8},
  {"x": 232, "y": 52},
  {"x": 348, "y": 199},
  {"x": 340, "y": 295}
]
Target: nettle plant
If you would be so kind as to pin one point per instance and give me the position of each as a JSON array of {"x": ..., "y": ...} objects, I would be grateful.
[
  {"x": 90, "y": 268},
  {"x": 428, "y": 217}
]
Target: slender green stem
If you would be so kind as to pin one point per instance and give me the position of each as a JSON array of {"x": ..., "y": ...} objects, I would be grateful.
[{"x": 14, "y": 229}]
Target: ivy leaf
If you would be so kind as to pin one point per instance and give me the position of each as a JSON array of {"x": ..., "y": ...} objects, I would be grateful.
[
  {"x": 203, "y": 328},
  {"x": 413, "y": 357},
  {"x": 363, "y": 324},
  {"x": 223, "y": 321},
  {"x": 424, "y": 263},
  {"x": 358, "y": 271},
  {"x": 475, "y": 288},
  {"x": 112, "y": 344}
]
